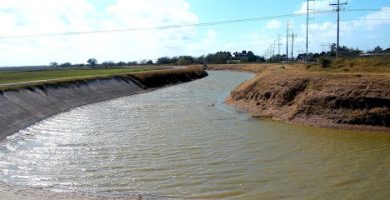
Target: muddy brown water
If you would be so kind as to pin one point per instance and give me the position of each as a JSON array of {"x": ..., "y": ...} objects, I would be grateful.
[{"x": 183, "y": 142}]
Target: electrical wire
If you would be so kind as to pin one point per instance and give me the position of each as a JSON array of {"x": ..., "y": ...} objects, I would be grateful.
[
  {"x": 213, "y": 23},
  {"x": 388, "y": 19}
]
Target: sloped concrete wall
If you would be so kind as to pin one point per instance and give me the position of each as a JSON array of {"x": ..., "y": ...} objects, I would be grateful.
[{"x": 21, "y": 108}]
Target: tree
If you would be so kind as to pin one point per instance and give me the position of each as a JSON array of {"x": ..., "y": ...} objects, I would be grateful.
[
  {"x": 67, "y": 64},
  {"x": 92, "y": 61},
  {"x": 377, "y": 49},
  {"x": 219, "y": 57},
  {"x": 132, "y": 63},
  {"x": 149, "y": 62},
  {"x": 164, "y": 61},
  {"x": 53, "y": 64},
  {"x": 251, "y": 56},
  {"x": 248, "y": 56},
  {"x": 201, "y": 60},
  {"x": 262, "y": 59},
  {"x": 344, "y": 51},
  {"x": 108, "y": 64},
  {"x": 185, "y": 60},
  {"x": 121, "y": 63},
  {"x": 333, "y": 49},
  {"x": 349, "y": 52}
]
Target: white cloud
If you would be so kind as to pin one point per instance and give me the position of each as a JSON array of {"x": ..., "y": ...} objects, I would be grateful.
[
  {"x": 374, "y": 19},
  {"x": 208, "y": 44},
  {"x": 20, "y": 17},
  {"x": 258, "y": 41},
  {"x": 274, "y": 24},
  {"x": 42, "y": 16},
  {"x": 318, "y": 5}
]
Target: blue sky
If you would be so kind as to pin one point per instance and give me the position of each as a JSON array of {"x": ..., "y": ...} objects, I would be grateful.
[
  {"x": 25, "y": 17},
  {"x": 220, "y": 10}
]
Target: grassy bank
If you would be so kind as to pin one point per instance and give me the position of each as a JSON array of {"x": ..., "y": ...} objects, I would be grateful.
[
  {"x": 148, "y": 77},
  {"x": 379, "y": 64},
  {"x": 18, "y": 77}
]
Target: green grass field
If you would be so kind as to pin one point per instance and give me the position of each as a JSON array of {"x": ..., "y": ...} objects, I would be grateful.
[{"x": 18, "y": 77}]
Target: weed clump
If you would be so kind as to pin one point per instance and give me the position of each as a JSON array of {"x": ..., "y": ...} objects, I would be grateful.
[{"x": 325, "y": 62}]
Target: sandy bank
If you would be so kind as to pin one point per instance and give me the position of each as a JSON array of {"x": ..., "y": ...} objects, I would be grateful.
[
  {"x": 334, "y": 100},
  {"x": 26, "y": 105}
]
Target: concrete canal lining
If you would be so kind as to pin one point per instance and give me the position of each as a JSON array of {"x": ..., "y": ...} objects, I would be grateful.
[{"x": 22, "y": 107}]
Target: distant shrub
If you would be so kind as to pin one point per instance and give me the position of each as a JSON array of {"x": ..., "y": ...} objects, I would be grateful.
[{"x": 325, "y": 62}]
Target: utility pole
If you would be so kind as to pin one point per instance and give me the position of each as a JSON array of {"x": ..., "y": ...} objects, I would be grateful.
[
  {"x": 279, "y": 44},
  {"x": 338, "y": 8},
  {"x": 287, "y": 35},
  {"x": 269, "y": 52},
  {"x": 273, "y": 52},
  {"x": 293, "y": 36},
  {"x": 307, "y": 27},
  {"x": 265, "y": 54}
]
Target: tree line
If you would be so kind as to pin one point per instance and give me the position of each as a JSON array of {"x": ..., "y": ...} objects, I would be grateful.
[
  {"x": 226, "y": 57},
  {"x": 344, "y": 52},
  {"x": 221, "y": 57},
  {"x": 93, "y": 63}
]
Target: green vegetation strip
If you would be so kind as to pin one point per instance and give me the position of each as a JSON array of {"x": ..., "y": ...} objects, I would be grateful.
[
  {"x": 16, "y": 80},
  {"x": 17, "y": 77}
]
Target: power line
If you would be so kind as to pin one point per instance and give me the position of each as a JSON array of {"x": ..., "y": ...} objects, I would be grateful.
[
  {"x": 388, "y": 19},
  {"x": 307, "y": 26},
  {"x": 325, "y": 45},
  {"x": 293, "y": 36},
  {"x": 213, "y": 23},
  {"x": 273, "y": 49},
  {"x": 287, "y": 35},
  {"x": 338, "y": 9},
  {"x": 279, "y": 44}
]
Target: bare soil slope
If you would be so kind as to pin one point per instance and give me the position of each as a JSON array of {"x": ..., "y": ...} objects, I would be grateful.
[{"x": 320, "y": 99}]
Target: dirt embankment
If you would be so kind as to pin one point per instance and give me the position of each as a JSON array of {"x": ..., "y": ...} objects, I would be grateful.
[
  {"x": 153, "y": 79},
  {"x": 320, "y": 99},
  {"x": 24, "y": 105}
]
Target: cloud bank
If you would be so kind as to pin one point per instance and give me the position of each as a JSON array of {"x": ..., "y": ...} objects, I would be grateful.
[{"x": 20, "y": 17}]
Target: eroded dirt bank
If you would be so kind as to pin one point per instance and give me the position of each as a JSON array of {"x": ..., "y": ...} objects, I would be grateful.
[
  {"x": 351, "y": 101},
  {"x": 21, "y": 107}
]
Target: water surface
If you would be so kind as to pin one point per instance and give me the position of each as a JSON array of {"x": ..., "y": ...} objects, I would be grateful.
[{"x": 184, "y": 142}]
